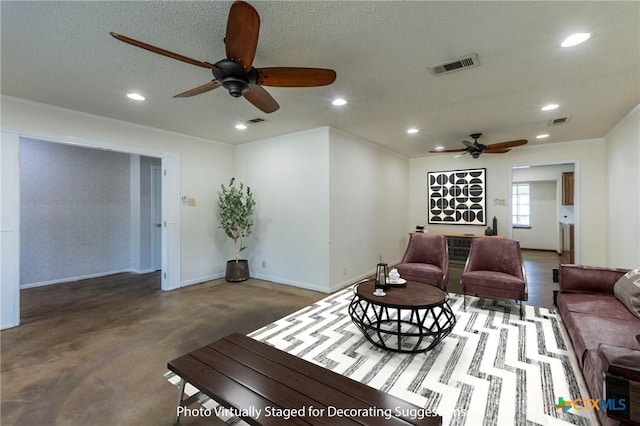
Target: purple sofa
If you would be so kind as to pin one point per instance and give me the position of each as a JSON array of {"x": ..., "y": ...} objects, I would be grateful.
[{"x": 604, "y": 334}]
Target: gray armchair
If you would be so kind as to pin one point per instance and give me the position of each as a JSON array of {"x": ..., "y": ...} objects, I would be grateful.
[{"x": 426, "y": 260}]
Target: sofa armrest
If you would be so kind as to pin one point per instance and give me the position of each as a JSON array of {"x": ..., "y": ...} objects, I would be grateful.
[
  {"x": 624, "y": 362},
  {"x": 589, "y": 279},
  {"x": 621, "y": 371}
]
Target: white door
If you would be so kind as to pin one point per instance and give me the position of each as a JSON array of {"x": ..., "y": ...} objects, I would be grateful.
[{"x": 156, "y": 218}]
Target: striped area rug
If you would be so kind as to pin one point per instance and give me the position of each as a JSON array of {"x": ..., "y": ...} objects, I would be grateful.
[{"x": 493, "y": 369}]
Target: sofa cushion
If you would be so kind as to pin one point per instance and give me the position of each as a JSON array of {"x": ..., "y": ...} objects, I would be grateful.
[
  {"x": 492, "y": 279},
  {"x": 627, "y": 291},
  {"x": 598, "y": 304},
  {"x": 421, "y": 272},
  {"x": 588, "y": 329}
]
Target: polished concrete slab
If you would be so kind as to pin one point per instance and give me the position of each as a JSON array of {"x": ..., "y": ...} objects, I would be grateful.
[{"x": 93, "y": 352}]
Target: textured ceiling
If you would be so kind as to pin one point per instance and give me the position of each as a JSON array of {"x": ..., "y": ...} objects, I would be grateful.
[{"x": 60, "y": 53}]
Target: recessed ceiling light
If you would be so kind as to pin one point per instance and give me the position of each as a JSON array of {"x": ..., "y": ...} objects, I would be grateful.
[
  {"x": 412, "y": 130},
  {"x": 549, "y": 107},
  {"x": 575, "y": 39},
  {"x": 339, "y": 102},
  {"x": 439, "y": 148},
  {"x": 241, "y": 126},
  {"x": 136, "y": 96},
  {"x": 545, "y": 135}
]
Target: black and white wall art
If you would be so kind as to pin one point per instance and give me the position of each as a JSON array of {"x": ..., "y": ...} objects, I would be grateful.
[{"x": 457, "y": 197}]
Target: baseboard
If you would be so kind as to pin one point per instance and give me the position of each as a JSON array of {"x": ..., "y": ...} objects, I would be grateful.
[
  {"x": 6, "y": 326},
  {"x": 279, "y": 280},
  {"x": 351, "y": 281},
  {"x": 142, "y": 271},
  {"x": 70, "y": 279},
  {"x": 298, "y": 284},
  {"x": 200, "y": 280},
  {"x": 541, "y": 250}
]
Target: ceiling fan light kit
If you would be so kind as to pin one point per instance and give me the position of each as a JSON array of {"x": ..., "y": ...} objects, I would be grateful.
[
  {"x": 233, "y": 77},
  {"x": 236, "y": 72}
]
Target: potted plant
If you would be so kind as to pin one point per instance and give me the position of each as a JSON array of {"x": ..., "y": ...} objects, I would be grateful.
[{"x": 236, "y": 218}]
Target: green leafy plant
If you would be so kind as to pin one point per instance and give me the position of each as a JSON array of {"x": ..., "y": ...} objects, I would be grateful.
[{"x": 236, "y": 213}]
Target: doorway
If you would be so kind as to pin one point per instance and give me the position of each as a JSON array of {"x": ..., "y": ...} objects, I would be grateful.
[
  {"x": 545, "y": 181},
  {"x": 10, "y": 213}
]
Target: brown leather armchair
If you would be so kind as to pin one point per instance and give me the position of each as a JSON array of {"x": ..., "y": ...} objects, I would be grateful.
[
  {"x": 426, "y": 260},
  {"x": 495, "y": 268}
]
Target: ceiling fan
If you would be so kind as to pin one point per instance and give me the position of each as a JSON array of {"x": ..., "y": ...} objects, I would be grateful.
[
  {"x": 475, "y": 148},
  {"x": 236, "y": 72}
]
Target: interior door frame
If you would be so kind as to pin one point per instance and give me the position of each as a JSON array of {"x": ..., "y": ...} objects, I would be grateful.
[
  {"x": 10, "y": 212},
  {"x": 154, "y": 218},
  {"x": 576, "y": 202}
]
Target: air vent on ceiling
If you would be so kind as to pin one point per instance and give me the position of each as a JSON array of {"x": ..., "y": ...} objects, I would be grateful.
[
  {"x": 256, "y": 120},
  {"x": 557, "y": 121},
  {"x": 456, "y": 65}
]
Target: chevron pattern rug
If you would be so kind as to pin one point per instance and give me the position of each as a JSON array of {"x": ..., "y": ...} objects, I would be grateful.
[{"x": 493, "y": 369}]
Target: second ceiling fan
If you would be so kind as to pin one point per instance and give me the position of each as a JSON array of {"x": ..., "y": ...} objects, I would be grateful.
[
  {"x": 475, "y": 148},
  {"x": 236, "y": 72}
]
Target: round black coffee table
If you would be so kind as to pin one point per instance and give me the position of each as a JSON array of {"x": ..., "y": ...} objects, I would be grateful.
[{"x": 411, "y": 318}]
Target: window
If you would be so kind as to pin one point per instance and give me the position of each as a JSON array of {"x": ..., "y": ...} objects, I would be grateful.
[{"x": 520, "y": 203}]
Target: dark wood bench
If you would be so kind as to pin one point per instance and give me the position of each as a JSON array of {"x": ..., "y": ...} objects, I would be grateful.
[{"x": 267, "y": 386}]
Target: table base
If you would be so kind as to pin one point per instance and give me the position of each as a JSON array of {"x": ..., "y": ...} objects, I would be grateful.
[{"x": 406, "y": 330}]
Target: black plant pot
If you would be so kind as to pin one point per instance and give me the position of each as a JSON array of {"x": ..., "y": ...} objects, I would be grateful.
[{"x": 237, "y": 271}]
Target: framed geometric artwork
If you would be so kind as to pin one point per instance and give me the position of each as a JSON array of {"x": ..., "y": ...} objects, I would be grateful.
[{"x": 457, "y": 197}]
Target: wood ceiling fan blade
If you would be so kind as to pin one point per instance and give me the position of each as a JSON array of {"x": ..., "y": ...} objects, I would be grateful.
[
  {"x": 261, "y": 99},
  {"x": 295, "y": 77},
  {"x": 448, "y": 150},
  {"x": 243, "y": 28},
  {"x": 469, "y": 144},
  {"x": 509, "y": 144},
  {"x": 162, "y": 52},
  {"x": 213, "y": 84},
  {"x": 496, "y": 151}
]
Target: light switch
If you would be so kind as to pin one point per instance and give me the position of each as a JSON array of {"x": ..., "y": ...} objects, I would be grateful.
[{"x": 191, "y": 202}]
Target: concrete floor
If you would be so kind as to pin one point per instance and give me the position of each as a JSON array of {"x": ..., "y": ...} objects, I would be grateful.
[{"x": 93, "y": 352}]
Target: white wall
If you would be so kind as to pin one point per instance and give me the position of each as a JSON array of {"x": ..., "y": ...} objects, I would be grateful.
[
  {"x": 369, "y": 202},
  {"x": 328, "y": 205},
  {"x": 623, "y": 188},
  {"x": 204, "y": 166},
  {"x": 590, "y": 189},
  {"x": 289, "y": 176}
]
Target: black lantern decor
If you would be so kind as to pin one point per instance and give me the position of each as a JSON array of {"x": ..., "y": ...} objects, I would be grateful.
[{"x": 381, "y": 276}]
